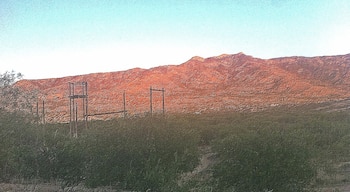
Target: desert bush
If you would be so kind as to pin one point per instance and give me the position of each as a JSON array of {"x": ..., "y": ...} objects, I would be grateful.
[
  {"x": 323, "y": 135},
  {"x": 140, "y": 154},
  {"x": 263, "y": 162},
  {"x": 61, "y": 158},
  {"x": 16, "y": 140}
]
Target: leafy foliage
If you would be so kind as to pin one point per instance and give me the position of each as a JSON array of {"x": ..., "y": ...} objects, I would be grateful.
[{"x": 13, "y": 98}]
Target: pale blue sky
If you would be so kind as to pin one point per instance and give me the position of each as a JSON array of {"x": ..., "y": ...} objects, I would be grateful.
[{"x": 55, "y": 38}]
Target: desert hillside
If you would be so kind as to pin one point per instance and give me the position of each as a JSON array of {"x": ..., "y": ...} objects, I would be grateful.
[{"x": 222, "y": 83}]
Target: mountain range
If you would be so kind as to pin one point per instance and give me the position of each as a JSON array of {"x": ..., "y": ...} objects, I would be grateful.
[{"x": 229, "y": 82}]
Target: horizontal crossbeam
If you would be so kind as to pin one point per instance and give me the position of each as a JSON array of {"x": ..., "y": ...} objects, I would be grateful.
[
  {"x": 158, "y": 89},
  {"x": 77, "y": 96},
  {"x": 107, "y": 113}
]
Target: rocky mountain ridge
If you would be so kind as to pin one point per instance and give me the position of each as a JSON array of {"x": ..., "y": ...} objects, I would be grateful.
[{"x": 229, "y": 82}]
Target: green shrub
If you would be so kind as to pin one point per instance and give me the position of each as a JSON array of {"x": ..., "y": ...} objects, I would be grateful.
[
  {"x": 261, "y": 162},
  {"x": 16, "y": 140},
  {"x": 62, "y": 159},
  {"x": 139, "y": 155}
]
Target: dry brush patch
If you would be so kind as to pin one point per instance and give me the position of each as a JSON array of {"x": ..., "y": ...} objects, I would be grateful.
[{"x": 152, "y": 153}]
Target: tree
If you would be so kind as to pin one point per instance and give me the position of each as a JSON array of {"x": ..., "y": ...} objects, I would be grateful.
[
  {"x": 16, "y": 135},
  {"x": 13, "y": 98}
]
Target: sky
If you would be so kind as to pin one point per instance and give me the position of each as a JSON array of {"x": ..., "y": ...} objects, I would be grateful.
[{"x": 57, "y": 38}]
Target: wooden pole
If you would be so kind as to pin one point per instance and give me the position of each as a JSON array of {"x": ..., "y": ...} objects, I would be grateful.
[
  {"x": 85, "y": 104},
  {"x": 83, "y": 94},
  {"x": 43, "y": 115},
  {"x": 163, "y": 100},
  {"x": 124, "y": 104},
  {"x": 150, "y": 96},
  {"x": 37, "y": 113},
  {"x": 76, "y": 120}
]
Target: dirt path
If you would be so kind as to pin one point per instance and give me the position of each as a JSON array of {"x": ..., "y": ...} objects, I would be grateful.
[{"x": 203, "y": 171}]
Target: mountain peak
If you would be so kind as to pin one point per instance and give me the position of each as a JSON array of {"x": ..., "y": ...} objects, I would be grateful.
[
  {"x": 197, "y": 58},
  {"x": 222, "y": 56}
]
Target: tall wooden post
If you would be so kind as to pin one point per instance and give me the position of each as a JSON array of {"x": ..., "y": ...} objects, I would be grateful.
[
  {"x": 85, "y": 104},
  {"x": 37, "y": 113},
  {"x": 150, "y": 99},
  {"x": 76, "y": 120},
  {"x": 43, "y": 115},
  {"x": 163, "y": 100},
  {"x": 124, "y": 104}
]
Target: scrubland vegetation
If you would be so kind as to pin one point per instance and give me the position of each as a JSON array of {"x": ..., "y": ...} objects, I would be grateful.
[{"x": 280, "y": 150}]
